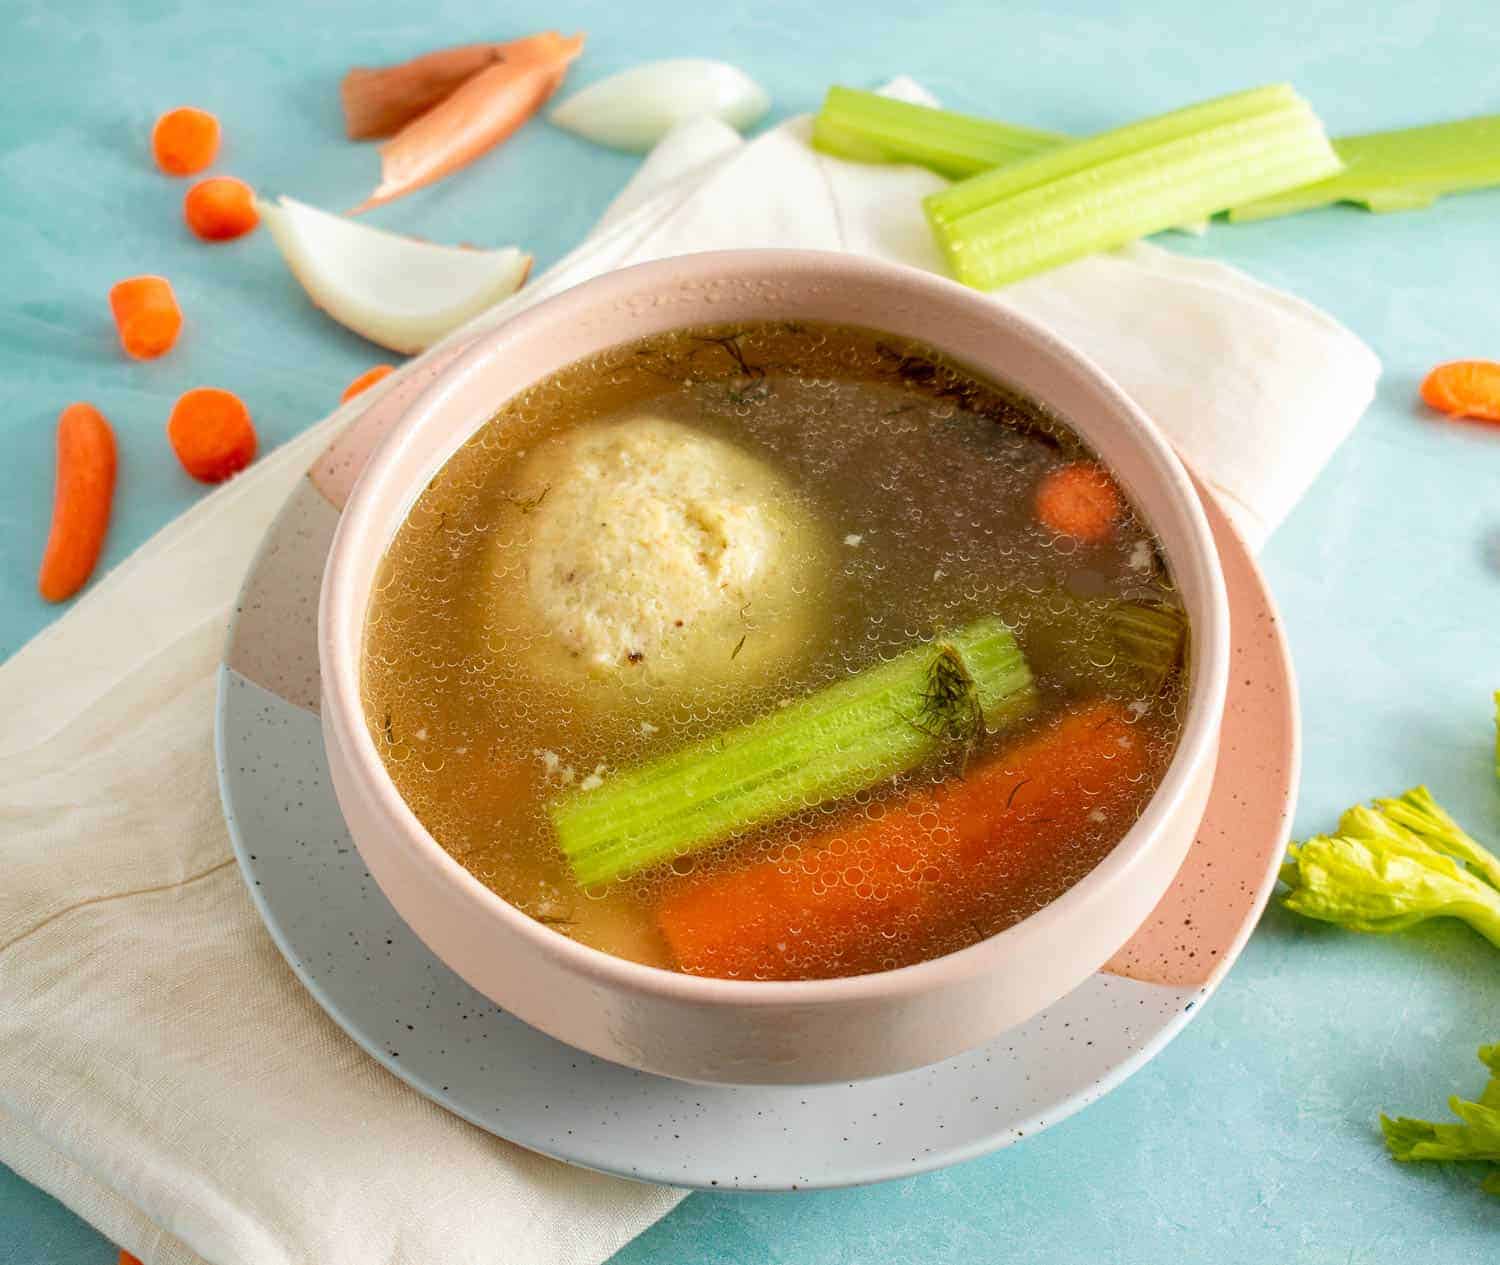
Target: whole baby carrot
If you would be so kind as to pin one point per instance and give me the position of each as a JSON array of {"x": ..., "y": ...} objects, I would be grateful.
[
  {"x": 81, "y": 503},
  {"x": 480, "y": 113},
  {"x": 934, "y": 860}
]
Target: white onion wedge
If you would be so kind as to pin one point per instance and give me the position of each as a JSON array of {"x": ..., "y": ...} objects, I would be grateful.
[
  {"x": 397, "y": 291},
  {"x": 637, "y": 107}
]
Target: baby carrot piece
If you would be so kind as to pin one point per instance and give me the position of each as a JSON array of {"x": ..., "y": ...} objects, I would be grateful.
[
  {"x": 185, "y": 140},
  {"x": 365, "y": 381},
  {"x": 81, "y": 503},
  {"x": 147, "y": 316},
  {"x": 211, "y": 433},
  {"x": 933, "y": 859},
  {"x": 1464, "y": 388},
  {"x": 1079, "y": 500},
  {"x": 220, "y": 208}
]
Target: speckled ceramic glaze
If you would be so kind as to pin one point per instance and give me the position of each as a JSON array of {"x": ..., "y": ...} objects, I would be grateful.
[
  {"x": 734, "y": 1031},
  {"x": 393, "y": 996}
]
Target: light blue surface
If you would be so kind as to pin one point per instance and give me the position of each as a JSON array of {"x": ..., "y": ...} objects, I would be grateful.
[{"x": 1251, "y": 1139}]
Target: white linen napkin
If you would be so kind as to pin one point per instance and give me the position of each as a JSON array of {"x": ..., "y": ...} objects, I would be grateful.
[{"x": 161, "y": 1071}]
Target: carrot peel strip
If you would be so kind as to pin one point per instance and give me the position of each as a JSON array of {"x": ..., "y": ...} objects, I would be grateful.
[
  {"x": 934, "y": 858},
  {"x": 479, "y": 114},
  {"x": 380, "y": 100},
  {"x": 86, "y": 465}
]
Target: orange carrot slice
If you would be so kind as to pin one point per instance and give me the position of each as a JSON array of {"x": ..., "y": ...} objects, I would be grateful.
[
  {"x": 478, "y": 115},
  {"x": 127, "y": 1259},
  {"x": 1465, "y": 388},
  {"x": 211, "y": 432},
  {"x": 86, "y": 463},
  {"x": 1079, "y": 500},
  {"x": 934, "y": 860},
  {"x": 147, "y": 316},
  {"x": 185, "y": 140},
  {"x": 220, "y": 208},
  {"x": 365, "y": 381}
]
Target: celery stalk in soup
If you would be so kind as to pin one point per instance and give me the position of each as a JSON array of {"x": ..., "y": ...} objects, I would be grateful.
[{"x": 832, "y": 743}]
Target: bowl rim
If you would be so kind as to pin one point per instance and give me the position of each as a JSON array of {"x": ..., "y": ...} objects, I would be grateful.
[{"x": 341, "y": 613}]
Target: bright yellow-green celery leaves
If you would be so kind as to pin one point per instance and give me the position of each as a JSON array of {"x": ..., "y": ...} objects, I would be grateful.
[
  {"x": 1476, "y": 1136},
  {"x": 1395, "y": 864}
]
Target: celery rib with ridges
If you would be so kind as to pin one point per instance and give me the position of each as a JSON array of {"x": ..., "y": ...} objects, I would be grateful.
[
  {"x": 1403, "y": 170},
  {"x": 868, "y": 127},
  {"x": 1039, "y": 212},
  {"x": 830, "y": 744}
]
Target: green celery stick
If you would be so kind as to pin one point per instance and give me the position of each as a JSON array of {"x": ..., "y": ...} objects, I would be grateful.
[
  {"x": 1150, "y": 639},
  {"x": 1396, "y": 171},
  {"x": 1039, "y": 212},
  {"x": 868, "y": 127},
  {"x": 829, "y": 744},
  {"x": 1122, "y": 142}
]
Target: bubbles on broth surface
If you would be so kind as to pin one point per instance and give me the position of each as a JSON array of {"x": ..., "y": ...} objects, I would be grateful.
[{"x": 920, "y": 479}]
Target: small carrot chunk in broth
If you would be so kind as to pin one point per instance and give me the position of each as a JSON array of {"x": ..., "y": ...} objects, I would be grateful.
[
  {"x": 1081, "y": 501},
  {"x": 146, "y": 315},
  {"x": 1465, "y": 388},
  {"x": 220, "y": 208},
  {"x": 185, "y": 141},
  {"x": 211, "y": 433}
]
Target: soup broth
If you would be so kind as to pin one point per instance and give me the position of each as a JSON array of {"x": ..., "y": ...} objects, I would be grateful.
[{"x": 614, "y": 656}]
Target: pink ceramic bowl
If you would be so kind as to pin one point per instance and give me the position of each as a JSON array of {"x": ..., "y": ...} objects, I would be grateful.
[{"x": 747, "y": 1032}]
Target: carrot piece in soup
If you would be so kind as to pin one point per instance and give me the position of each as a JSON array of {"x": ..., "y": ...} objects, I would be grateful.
[
  {"x": 365, "y": 381},
  {"x": 147, "y": 316},
  {"x": 211, "y": 433},
  {"x": 220, "y": 208},
  {"x": 126, "y": 1258},
  {"x": 86, "y": 463},
  {"x": 185, "y": 140},
  {"x": 934, "y": 860},
  {"x": 1465, "y": 388},
  {"x": 1079, "y": 500}
]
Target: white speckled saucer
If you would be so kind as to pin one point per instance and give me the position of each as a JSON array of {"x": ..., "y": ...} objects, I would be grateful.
[{"x": 383, "y": 986}]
